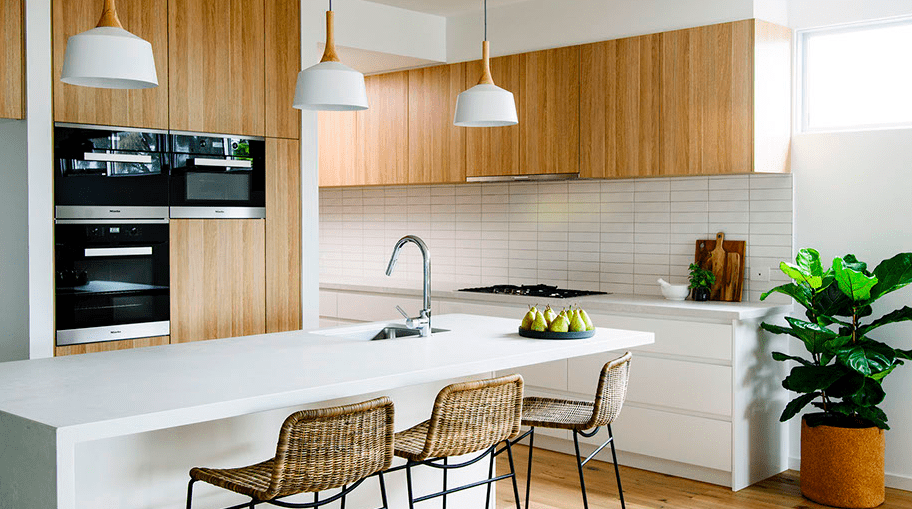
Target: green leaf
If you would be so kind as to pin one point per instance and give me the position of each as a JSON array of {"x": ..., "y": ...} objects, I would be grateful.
[
  {"x": 904, "y": 354},
  {"x": 900, "y": 315},
  {"x": 812, "y": 378},
  {"x": 867, "y": 358},
  {"x": 796, "y": 405},
  {"x": 814, "y": 336},
  {"x": 852, "y": 262},
  {"x": 875, "y": 415},
  {"x": 807, "y": 269},
  {"x": 809, "y": 261},
  {"x": 869, "y": 395},
  {"x": 883, "y": 374},
  {"x": 892, "y": 275},
  {"x": 853, "y": 283},
  {"x": 779, "y": 356},
  {"x": 800, "y": 275},
  {"x": 801, "y": 294},
  {"x": 831, "y": 301},
  {"x": 832, "y": 347}
]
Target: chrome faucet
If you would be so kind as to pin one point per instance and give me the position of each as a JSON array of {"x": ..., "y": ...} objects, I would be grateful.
[{"x": 422, "y": 322}]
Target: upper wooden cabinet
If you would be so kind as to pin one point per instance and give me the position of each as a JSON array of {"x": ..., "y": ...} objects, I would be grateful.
[
  {"x": 283, "y": 61},
  {"x": 283, "y": 235},
  {"x": 620, "y": 107},
  {"x": 492, "y": 151},
  {"x": 437, "y": 148},
  {"x": 134, "y": 108},
  {"x": 12, "y": 61},
  {"x": 339, "y": 150},
  {"x": 217, "y": 69}
]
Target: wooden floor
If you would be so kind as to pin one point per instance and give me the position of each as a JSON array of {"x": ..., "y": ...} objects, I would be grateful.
[{"x": 555, "y": 485}]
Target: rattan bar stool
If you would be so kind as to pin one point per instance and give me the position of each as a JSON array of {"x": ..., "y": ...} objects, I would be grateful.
[
  {"x": 468, "y": 417},
  {"x": 584, "y": 418},
  {"x": 318, "y": 450}
]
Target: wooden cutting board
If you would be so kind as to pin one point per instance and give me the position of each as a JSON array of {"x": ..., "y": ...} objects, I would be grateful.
[{"x": 725, "y": 258}]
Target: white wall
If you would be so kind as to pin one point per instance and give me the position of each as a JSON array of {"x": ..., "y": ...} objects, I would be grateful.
[
  {"x": 13, "y": 242},
  {"x": 852, "y": 196}
]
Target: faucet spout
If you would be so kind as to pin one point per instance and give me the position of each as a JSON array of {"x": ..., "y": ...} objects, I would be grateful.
[{"x": 424, "y": 320}]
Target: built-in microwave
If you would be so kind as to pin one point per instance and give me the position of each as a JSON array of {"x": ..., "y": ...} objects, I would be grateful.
[
  {"x": 110, "y": 172},
  {"x": 215, "y": 176}
]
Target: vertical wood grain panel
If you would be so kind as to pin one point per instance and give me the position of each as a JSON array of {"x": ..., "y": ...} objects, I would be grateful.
[
  {"x": 217, "y": 72},
  {"x": 12, "y": 61},
  {"x": 742, "y": 115},
  {"x": 549, "y": 111},
  {"x": 716, "y": 79},
  {"x": 496, "y": 150},
  {"x": 218, "y": 283},
  {"x": 283, "y": 61},
  {"x": 772, "y": 93},
  {"x": 339, "y": 149},
  {"x": 283, "y": 235},
  {"x": 596, "y": 89},
  {"x": 110, "y": 346},
  {"x": 437, "y": 148},
  {"x": 148, "y": 108},
  {"x": 682, "y": 99},
  {"x": 383, "y": 131}
]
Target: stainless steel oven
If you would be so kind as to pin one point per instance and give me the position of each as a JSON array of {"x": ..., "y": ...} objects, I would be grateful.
[
  {"x": 216, "y": 176},
  {"x": 110, "y": 172},
  {"x": 112, "y": 280}
]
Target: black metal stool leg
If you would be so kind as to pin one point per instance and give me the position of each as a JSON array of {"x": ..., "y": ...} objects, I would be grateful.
[
  {"x": 190, "y": 492},
  {"x": 408, "y": 481},
  {"x": 383, "y": 491},
  {"x": 490, "y": 476},
  {"x": 343, "y": 497},
  {"x": 252, "y": 503},
  {"x": 513, "y": 474},
  {"x": 529, "y": 468},
  {"x": 316, "y": 497},
  {"x": 444, "y": 482},
  {"x": 617, "y": 471},
  {"x": 579, "y": 465}
]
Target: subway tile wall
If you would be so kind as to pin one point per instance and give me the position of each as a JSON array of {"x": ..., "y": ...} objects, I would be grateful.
[{"x": 616, "y": 236}]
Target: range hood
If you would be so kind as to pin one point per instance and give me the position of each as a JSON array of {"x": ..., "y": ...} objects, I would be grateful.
[{"x": 523, "y": 178}]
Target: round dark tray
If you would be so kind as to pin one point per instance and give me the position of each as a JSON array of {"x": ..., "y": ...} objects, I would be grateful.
[{"x": 556, "y": 335}]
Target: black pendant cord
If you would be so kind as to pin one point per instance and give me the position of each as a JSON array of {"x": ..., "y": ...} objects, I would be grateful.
[
  {"x": 486, "y": 18},
  {"x": 331, "y": 4}
]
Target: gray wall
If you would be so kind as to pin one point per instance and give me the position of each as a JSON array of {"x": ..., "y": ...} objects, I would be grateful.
[{"x": 14, "y": 342}]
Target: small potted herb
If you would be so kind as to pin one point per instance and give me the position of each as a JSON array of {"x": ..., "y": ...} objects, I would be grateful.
[{"x": 701, "y": 281}]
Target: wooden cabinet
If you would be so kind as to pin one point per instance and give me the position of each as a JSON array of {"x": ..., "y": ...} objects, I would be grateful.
[
  {"x": 437, "y": 148},
  {"x": 218, "y": 283},
  {"x": 216, "y": 51},
  {"x": 283, "y": 61},
  {"x": 338, "y": 147},
  {"x": 12, "y": 61},
  {"x": 620, "y": 106},
  {"x": 147, "y": 108},
  {"x": 110, "y": 346},
  {"x": 283, "y": 235},
  {"x": 492, "y": 151}
]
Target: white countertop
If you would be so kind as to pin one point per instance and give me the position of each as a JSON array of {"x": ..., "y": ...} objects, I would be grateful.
[
  {"x": 611, "y": 303},
  {"x": 117, "y": 393}
]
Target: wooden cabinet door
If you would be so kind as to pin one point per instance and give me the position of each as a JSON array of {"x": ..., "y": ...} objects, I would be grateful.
[
  {"x": 218, "y": 283},
  {"x": 549, "y": 111},
  {"x": 339, "y": 149},
  {"x": 110, "y": 346},
  {"x": 12, "y": 61},
  {"x": 147, "y": 108},
  {"x": 437, "y": 148},
  {"x": 383, "y": 131},
  {"x": 620, "y": 108},
  {"x": 283, "y": 61},
  {"x": 283, "y": 235},
  {"x": 492, "y": 151},
  {"x": 217, "y": 68}
]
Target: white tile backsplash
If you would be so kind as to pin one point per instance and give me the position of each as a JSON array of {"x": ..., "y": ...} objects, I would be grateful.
[{"x": 611, "y": 235}]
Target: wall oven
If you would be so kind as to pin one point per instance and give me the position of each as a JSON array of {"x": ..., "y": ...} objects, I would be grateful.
[
  {"x": 110, "y": 172},
  {"x": 112, "y": 280},
  {"x": 216, "y": 176}
]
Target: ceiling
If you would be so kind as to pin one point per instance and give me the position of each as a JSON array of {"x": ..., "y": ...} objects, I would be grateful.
[
  {"x": 444, "y": 7},
  {"x": 372, "y": 62}
]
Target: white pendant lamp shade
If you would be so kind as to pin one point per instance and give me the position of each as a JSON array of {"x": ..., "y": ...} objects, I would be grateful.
[
  {"x": 330, "y": 85},
  {"x": 109, "y": 57},
  {"x": 485, "y": 104}
]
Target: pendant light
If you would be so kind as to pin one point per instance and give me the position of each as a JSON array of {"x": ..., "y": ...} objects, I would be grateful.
[
  {"x": 485, "y": 104},
  {"x": 330, "y": 85},
  {"x": 108, "y": 56}
]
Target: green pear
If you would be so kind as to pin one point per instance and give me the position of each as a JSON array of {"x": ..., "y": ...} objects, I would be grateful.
[
  {"x": 560, "y": 324},
  {"x": 550, "y": 315},
  {"x": 586, "y": 319},
  {"x": 539, "y": 324},
  {"x": 577, "y": 324},
  {"x": 528, "y": 319}
]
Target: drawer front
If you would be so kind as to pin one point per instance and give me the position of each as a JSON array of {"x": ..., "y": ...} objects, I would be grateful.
[
  {"x": 675, "y": 437},
  {"x": 547, "y": 375},
  {"x": 693, "y": 339},
  {"x": 328, "y": 303},
  {"x": 705, "y": 388}
]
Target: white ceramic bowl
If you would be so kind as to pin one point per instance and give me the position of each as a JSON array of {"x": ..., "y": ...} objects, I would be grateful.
[{"x": 675, "y": 292}]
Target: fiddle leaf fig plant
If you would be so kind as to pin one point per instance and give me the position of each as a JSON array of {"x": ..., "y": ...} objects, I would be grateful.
[{"x": 843, "y": 376}]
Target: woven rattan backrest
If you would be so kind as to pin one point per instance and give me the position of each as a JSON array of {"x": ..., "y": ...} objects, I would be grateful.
[
  {"x": 326, "y": 448},
  {"x": 472, "y": 416},
  {"x": 611, "y": 391}
]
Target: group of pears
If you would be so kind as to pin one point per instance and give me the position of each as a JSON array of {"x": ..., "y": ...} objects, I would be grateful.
[{"x": 568, "y": 320}]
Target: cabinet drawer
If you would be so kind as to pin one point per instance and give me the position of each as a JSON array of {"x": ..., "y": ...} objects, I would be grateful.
[
  {"x": 668, "y": 383},
  {"x": 329, "y": 303},
  {"x": 547, "y": 375},
  {"x": 676, "y": 337},
  {"x": 675, "y": 437}
]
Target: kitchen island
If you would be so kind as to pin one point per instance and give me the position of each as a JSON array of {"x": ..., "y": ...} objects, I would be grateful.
[{"x": 121, "y": 429}]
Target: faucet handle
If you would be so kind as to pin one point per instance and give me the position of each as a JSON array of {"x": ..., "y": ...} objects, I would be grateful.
[{"x": 403, "y": 313}]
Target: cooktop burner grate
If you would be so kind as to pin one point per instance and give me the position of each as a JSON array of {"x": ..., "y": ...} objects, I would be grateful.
[{"x": 547, "y": 291}]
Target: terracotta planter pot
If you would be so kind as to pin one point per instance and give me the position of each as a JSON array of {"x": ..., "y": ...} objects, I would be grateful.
[{"x": 842, "y": 467}]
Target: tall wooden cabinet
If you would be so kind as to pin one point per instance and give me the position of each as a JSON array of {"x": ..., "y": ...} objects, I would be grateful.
[
  {"x": 283, "y": 235},
  {"x": 437, "y": 148},
  {"x": 339, "y": 149},
  {"x": 12, "y": 61},
  {"x": 218, "y": 280},
  {"x": 283, "y": 61},
  {"x": 146, "y": 108},
  {"x": 216, "y": 61},
  {"x": 495, "y": 150}
]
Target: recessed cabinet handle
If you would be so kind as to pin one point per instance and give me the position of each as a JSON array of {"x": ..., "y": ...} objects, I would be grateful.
[
  {"x": 223, "y": 163},
  {"x": 118, "y": 158},
  {"x": 94, "y": 252}
]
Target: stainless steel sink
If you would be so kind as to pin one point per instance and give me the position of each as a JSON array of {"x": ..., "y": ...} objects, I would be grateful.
[
  {"x": 400, "y": 332},
  {"x": 373, "y": 332}
]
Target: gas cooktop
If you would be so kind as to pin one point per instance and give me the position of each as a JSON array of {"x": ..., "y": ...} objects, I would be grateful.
[{"x": 551, "y": 292}]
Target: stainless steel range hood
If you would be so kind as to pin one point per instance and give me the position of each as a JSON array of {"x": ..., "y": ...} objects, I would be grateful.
[{"x": 524, "y": 178}]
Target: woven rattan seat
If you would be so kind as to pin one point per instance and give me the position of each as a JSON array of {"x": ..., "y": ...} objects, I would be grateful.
[{"x": 317, "y": 450}]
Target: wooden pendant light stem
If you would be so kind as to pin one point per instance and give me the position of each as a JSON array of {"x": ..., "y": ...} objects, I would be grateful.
[
  {"x": 109, "y": 16},
  {"x": 329, "y": 54},
  {"x": 486, "y": 78}
]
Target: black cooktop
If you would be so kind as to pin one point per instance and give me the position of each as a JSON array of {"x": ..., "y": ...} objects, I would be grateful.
[{"x": 551, "y": 292}]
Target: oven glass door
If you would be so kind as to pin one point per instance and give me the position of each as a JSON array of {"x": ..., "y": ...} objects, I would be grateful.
[{"x": 217, "y": 172}]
